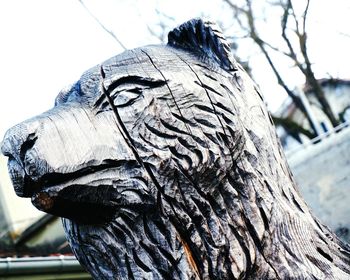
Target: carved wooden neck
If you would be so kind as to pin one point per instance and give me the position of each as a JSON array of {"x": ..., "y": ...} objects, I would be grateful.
[
  {"x": 236, "y": 230},
  {"x": 279, "y": 235}
]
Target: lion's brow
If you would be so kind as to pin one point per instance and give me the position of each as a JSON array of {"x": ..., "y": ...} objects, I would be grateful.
[{"x": 131, "y": 79}]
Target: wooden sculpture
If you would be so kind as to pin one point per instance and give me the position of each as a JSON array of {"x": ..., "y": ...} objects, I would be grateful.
[{"x": 164, "y": 164}]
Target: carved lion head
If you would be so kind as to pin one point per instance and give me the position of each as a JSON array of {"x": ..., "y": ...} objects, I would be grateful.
[{"x": 130, "y": 131}]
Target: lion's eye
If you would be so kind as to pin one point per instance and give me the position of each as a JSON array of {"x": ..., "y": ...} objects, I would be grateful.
[{"x": 126, "y": 97}]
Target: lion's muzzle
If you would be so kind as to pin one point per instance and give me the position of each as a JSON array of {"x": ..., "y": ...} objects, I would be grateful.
[
  {"x": 69, "y": 158},
  {"x": 17, "y": 141}
]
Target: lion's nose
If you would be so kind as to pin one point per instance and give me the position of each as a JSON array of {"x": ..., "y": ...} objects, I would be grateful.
[
  {"x": 18, "y": 140},
  {"x": 6, "y": 148},
  {"x": 12, "y": 142}
]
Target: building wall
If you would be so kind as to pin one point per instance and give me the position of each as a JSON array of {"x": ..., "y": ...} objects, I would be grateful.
[
  {"x": 338, "y": 96},
  {"x": 322, "y": 173}
]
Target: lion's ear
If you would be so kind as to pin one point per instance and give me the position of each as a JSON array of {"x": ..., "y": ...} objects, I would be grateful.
[{"x": 204, "y": 38}]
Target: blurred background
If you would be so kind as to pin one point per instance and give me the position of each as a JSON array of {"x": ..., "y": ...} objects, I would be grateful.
[{"x": 296, "y": 51}]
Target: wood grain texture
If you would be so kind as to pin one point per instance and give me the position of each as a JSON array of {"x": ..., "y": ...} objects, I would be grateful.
[{"x": 164, "y": 164}]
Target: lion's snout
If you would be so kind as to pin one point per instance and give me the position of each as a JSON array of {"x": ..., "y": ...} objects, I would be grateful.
[
  {"x": 70, "y": 157},
  {"x": 17, "y": 142}
]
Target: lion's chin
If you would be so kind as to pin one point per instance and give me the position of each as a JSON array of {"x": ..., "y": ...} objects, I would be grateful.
[
  {"x": 78, "y": 211},
  {"x": 94, "y": 198}
]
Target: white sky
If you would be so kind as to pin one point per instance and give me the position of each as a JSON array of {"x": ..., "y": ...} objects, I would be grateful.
[{"x": 45, "y": 45}]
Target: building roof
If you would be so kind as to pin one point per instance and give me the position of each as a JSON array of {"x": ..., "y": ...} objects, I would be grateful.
[
  {"x": 288, "y": 107},
  {"x": 334, "y": 82}
]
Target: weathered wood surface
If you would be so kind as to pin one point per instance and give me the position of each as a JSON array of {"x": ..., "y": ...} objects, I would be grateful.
[{"x": 164, "y": 164}]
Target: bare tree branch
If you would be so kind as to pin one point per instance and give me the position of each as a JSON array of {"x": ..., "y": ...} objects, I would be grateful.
[
  {"x": 309, "y": 74},
  {"x": 296, "y": 21},
  {"x": 235, "y": 7},
  {"x": 305, "y": 15},
  {"x": 254, "y": 35},
  {"x": 284, "y": 21},
  {"x": 252, "y": 30},
  {"x": 276, "y": 49},
  {"x": 154, "y": 34},
  {"x": 102, "y": 25}
]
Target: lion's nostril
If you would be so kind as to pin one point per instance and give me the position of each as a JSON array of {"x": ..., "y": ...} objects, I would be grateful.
[
  {"x": 27, "y": 145},
  {"x": 20, "y": 138}
]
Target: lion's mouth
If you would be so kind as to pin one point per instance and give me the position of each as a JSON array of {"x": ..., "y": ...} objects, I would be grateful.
[
  {"x": 23, "y": 184},
  {"x": 88, "y": 192},
  {"x": 26, "y": 186}
]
